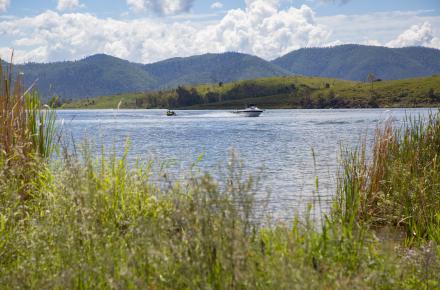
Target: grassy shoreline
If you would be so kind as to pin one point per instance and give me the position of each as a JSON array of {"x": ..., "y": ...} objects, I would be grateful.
[{"x": 281, "y": 92}]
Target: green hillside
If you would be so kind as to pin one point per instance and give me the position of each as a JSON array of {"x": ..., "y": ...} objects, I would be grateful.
[
  {"x": 355, "y": 62},
  {"x": 282, "y": 92},
  {"x": 212, "y": 68},
  {"x": 92, "y": 76}
]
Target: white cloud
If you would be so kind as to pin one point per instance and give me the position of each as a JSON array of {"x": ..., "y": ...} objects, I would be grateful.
[
  {"x": 161, "y": 7},
  {"x": 417, "y": 35},
  {"x": 261, "y": 29},
  {"x": 216, "y": 5},
  {"x": 4, "y": 4},
  {"x": 379, "y": 27},
  {"x": 68, "y": 4},
  {"x": 264, "y": 30}
]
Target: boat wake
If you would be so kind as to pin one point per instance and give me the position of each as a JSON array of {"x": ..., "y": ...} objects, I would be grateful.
[{"x": 222, "y": 114}]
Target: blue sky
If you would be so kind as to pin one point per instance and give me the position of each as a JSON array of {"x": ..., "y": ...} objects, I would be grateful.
[
  {"x": 115, "y": 8},
  {"x": 152, "y": 30}
]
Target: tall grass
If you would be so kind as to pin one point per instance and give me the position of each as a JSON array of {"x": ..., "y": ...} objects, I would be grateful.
[
  {"x": 27, "y": 130},
  {"x": 100, "y": 223},
  {"x": 399, "y": 186}
]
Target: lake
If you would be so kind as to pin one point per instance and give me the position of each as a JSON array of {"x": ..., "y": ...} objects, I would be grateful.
[{"x": 277, "y": 146}]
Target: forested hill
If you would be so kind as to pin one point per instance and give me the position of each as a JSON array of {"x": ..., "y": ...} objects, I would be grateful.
[
  {"x": 106, "y": 75},
  {"x": 92, "y": 76},
  {"x": 355, "y": 62},
  {"x": 212, "y": 68}
]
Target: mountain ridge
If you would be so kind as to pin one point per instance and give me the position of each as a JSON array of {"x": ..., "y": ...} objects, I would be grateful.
[
  {"x": 355, "y": 62},
  {"x": 102, "y": 74}
]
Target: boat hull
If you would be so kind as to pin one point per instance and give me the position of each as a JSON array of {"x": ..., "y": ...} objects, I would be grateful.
[{"x": 249, "y": 113}]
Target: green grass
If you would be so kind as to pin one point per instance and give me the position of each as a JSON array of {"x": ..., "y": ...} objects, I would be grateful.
[
  {"x": 399, "y": 185},
  {"x": 309, "y": 92},
  {"x": 98, "y": 223}
]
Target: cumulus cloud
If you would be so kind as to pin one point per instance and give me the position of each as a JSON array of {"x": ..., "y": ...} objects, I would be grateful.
[
  {"x": 417, "y": 35},
  {"x": 161, "y": 7},
  {"x": 217, "y": 5},
  {"x": 378, "y": 27},
  {"x": 68, "y": 4},
  {"x": 262, "y": 28},
  {"x": 265, "y": 30},
  {"x": 4, "y": 4}
]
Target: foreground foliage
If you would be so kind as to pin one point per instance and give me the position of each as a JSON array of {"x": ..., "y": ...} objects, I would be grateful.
[
  {"x": 399, "y": 185},
  {"x": 27, "y": 131},
  {"x": 97, "y": 224}
]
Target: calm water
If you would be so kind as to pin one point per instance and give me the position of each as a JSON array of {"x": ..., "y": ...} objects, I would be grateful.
[{"x": 278, "y": 145}]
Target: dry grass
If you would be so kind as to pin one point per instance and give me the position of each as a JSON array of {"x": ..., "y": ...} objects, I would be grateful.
[
  {"x": 27, "y": 131},
  {"x": 13, "y": 118},
  {"x": 399, "y": 185}
]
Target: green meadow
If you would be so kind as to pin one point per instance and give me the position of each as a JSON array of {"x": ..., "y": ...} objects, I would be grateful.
[{"x": 280, "y": 92}]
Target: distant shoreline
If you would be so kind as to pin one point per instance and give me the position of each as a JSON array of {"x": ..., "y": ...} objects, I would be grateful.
[{"x": 295, "y": 92}]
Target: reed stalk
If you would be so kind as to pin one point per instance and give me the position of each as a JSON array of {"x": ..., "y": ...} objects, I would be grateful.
[
  {"x": 27, "y": 129},
  {"x": 399, "y": 185}
]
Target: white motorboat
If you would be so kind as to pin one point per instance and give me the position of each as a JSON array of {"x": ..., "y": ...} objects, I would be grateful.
[{"x": 250, "y": 111}]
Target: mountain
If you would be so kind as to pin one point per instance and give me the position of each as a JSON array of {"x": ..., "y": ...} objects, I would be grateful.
[
  {"x": 355, "y": 62},
  {"x": 106, "y": 75},
  {"x": 93, "y": 76},
  {"x": 212, "y": 68}
]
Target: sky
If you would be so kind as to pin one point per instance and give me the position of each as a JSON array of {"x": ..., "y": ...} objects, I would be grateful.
[{"x": 147, "y": 31}]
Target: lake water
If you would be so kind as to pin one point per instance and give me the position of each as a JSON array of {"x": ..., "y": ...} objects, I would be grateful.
[{"x": 277, "y": 146}]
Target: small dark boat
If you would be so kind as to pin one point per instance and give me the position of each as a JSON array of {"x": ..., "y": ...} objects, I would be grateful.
[{"x": 171, "y": 113}]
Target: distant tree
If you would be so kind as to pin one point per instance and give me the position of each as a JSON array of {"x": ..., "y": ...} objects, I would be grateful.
[
  {"x": 334, "y": 101},
  {"x": 432, "y": 96},
  {"x": 293, "y": 88},
  {"x": 212, "y": 97},
  {"x": 371, "y": 78},
  {"x": 327, "y": 85},
  {"x": 306, "y": 102},
  {"x": 139, "y": 102},
  {"x": 321, "y": 103},
  {"x": 187, "y": 97},
  {"x": 220, "y": 84}
]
